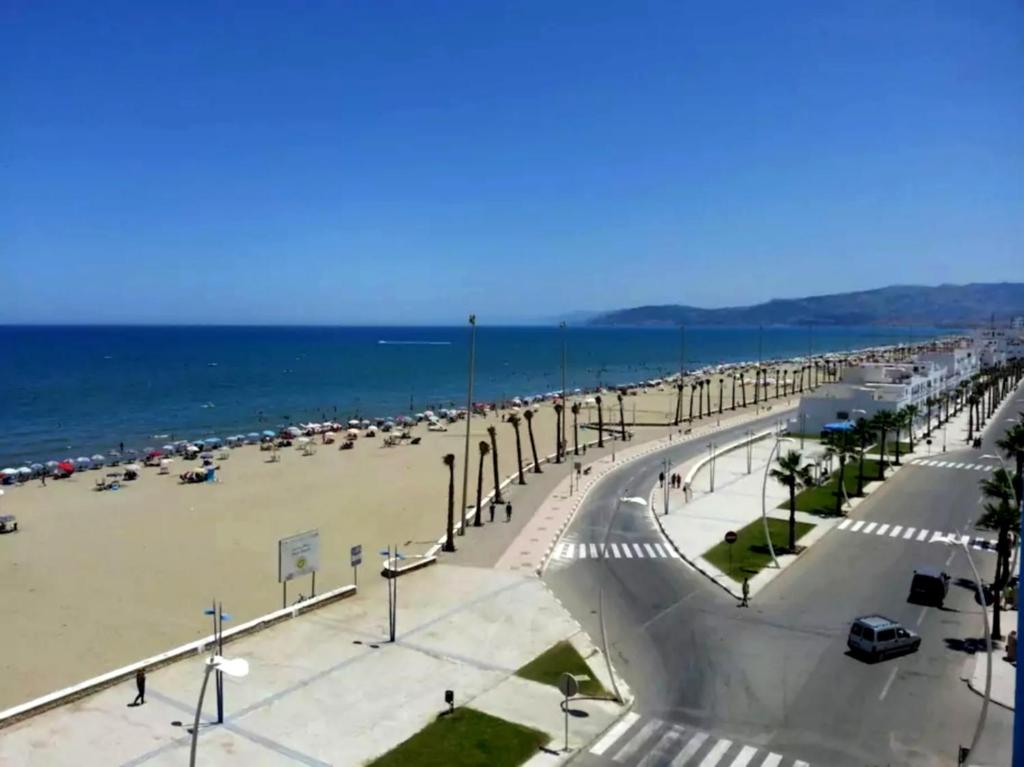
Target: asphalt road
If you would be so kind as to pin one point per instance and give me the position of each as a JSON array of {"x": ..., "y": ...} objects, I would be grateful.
[{"x": 773, "y": 684}]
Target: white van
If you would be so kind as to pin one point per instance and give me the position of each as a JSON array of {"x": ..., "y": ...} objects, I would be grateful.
[{"x": 877, "y": 636}]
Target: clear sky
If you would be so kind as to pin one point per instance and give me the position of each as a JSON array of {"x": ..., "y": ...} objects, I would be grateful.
[{"x": 405, "y": 162}]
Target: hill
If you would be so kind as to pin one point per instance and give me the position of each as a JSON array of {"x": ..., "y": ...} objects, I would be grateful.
[{"x": 944, "y": 305}]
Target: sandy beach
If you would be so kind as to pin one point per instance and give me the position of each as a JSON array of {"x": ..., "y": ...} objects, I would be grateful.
[{"x": 94, "y": 580}]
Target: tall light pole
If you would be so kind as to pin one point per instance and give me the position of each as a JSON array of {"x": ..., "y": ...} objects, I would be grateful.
[
  {"x": 236, "y": 667},
  {"x": 565, "y": 405},
  {"x": 667, "y": 468},
  {"x": 469, "y": 417},
  {"x": 962, "y": 543},
  {"x": 779, "y": 439}
]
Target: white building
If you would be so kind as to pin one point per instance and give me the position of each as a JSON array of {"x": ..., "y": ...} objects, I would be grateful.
[
  {"x": 869, "y": 388},
  {"x": 996, "y": 345}
]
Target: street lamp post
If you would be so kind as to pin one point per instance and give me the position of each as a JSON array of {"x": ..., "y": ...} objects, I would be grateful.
[
  {"x": 236, "y": 667},
  {"x": 712, "y": 448},
  {"x": 667, "y": 468},
  {"x": 962, "y": 543},
  {"x": 469, "y": 417},
  {"x": 779, "y": 439},
  {"x": 216, "y": 611}
]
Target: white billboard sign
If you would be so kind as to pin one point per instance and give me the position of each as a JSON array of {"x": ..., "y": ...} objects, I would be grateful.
[{"x": 298, "y": 555}]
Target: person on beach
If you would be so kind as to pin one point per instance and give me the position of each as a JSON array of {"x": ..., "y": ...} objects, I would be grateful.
[
  {"x": 140, "y": 686},
  {"x": 508, "y": 511},
  {"x": 122, "y": 448},
  {"x": 42, "y": 479},
  {"x": 492, "y": 511}
]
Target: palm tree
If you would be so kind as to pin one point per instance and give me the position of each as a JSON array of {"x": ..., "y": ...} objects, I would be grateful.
[
  {"x": 721, "y": 400},
  {"x": 743, "y": 388},
  {"x": 899, "y": 421},
  {"x": 794, "y": 475},
  {"x": 679, "y": 401},
  {"x": 622, "y": 416},
  {"x": 558, "y": 432},
  {"x": 575, "y": 409},
  {"x": 1012, "y": 444},
  {"x": 733, "y": 391},
  {"x": 600, "y": 422},
  {"x": 777, "y": 382},
  {"x": 862, "y": 433},
  {"x": 883, "y": 423},
  {"x": 514, "y": 420},
  {"x": 972, "y": 401},
  {"x": 840, "y": 445},
  {"x": 485, "y": 448},
  {"x": 449, "y": 540},
  {"x": 912, "y": 412},
  {"x": 757, "y": 386},
  {"x": 1003, "y": 515},
  {"x": 692, "y": 389},
  {"x": 528, "y": 415},
  {"x": 492, "y": 432},
  {"x": 928, "y": 415},
  {"x": 707, "y": 388}
]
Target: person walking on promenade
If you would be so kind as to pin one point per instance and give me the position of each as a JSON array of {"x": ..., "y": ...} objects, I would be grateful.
[
  {"x": 508, "y": 511},
  {"x": 746, "y": 593},
  {"x": 661, "y": 479},
  {"x": 492, "y": 511},
  {"x": 140, "y": 686}
]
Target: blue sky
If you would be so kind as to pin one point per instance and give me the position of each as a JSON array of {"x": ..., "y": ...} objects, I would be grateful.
[{"x": 363, "y": 162}]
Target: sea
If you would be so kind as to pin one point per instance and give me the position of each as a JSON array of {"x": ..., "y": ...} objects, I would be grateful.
[{"x": 74, "y": 391}]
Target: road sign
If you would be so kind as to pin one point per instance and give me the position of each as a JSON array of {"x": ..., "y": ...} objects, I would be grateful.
[
  {"x": 731, "y": 537},
  {"x": 568, "y": 685},
  {"x": 356, "y": 555}
]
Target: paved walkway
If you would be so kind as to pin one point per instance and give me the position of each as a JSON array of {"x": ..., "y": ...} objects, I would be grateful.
[{"x": 327, "y": 689}]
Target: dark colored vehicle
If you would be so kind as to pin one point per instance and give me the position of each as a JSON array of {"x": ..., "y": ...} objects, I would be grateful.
[{"x": 929, "y": 586}]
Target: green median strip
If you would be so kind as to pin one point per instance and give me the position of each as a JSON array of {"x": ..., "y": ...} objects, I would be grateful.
[
  {"x": 466, "y": 738},
  {"x": 822, "y": 498},
  {"x": 562, "y": 658},
  {"x": 749, "y": 555}
]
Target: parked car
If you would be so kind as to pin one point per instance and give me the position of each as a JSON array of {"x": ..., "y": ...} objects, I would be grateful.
[
  {"x": 877, "y": 636},
  {"x": 8, "y": 523},
  {"x": 929, "y": 586}
]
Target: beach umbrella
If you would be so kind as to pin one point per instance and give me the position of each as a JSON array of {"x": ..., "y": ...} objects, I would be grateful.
[
  {"x": 167, "y": 449},
  {"x": 303, "y": 440},
  {"x": 82, "y": 462},
  {"x": 130, "y": 453},
  {"x": 293, "y": 431},
  {"x": 269, "y": 433},
  {"x": 97, "y": 460},
  {"x": 132, "y": 467},
  {"x": 51, "y": 466},
  {"x": 67, "y": 466},
  {"x": 352, "y": 433},
  {"x": 253, "y": 436},
  {"x": 24, "y": 472},
  {"x": 214, "y": 442},
  {"x": 153, "y": 453},
  {"x": 37, "y": 468},
  {"x": 206, "y": 456}
]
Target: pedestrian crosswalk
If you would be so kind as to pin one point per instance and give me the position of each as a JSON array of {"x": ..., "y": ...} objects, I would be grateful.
[
  {"x": 651, "y": 742},
  {"x": 939, "y": 464},
  {"x": 567, "y": 550},
  {"x": 915, "y": 534}
]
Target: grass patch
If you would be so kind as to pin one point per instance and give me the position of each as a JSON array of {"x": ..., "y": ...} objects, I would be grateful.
[
  {"x": 890, "y": 448},
  {"x": 750, "y": 552},
  {"x": 822, "y": 498},
  {"x": 466, "y": 738},
  {"x": 547, "y": 667}
]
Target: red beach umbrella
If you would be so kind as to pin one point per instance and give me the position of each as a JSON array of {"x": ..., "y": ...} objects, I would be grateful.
[{"x": 67, "y": 467}]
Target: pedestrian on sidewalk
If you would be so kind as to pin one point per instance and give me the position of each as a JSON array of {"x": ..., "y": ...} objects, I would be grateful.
[
  {"x": 661, "y": 479},
  {"x": 492, "y": 511},
  {"x": 140, "y": 686},
  {"x": 746, "y": 593},
  {"x": 508, "y": 511}
]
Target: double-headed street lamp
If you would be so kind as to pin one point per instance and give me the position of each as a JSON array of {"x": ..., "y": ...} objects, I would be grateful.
[
  {"x": 779, "y": 439},
  {"x": 962, "y": 543},
  {"x": 236, "y": 667}
]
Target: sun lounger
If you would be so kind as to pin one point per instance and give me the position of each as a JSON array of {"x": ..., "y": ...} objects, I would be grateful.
[{"x": 415, "y": 440}]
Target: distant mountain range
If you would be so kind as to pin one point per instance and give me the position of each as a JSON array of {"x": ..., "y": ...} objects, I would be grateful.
[{"x": 942, "y": 306}]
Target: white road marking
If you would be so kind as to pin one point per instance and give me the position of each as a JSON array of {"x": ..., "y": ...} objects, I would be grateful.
[
  {"x": 582, "y": 551},
  {"x": 960, "y": 465},
  {"x": 845, "y": 523},
  {"x": 650, "y": 551},
  {"x": 689, "y": 749},
  {"x": 615, "y": 550},
  {"x": 661, "y": 551},
  {"x": 857, "y": 526},
  {"x": 639, "y": 551},
  {"x": 894, "y": 533},
  {"x": 871, "y": 526},
  {"x": 909, "y": 533},
  {"x": 616, "y": 732},
  {"x": 633, "y": 744},
  {"x": 716, "y": 753},
  {"x": 950, "y": 557},
  {"x": 888, "y": 684},
  {"x": 920, "y": 616},
  {"x": 664, "y": 746},
  {"x": 744, "y": 756},
  {"x": 593, "y": 551},
  {"x": 799, "y": 763},
  {"x": 881, "y": 529},
  {"x": 626, "y": 552},
  {"x": 937, "y": 536},
  {"x": 772, "y": 760},
  {"x": 922, "y": 535}
]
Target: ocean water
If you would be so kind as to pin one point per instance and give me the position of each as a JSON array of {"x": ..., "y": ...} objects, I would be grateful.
[{"x": 70, "y": 391}]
